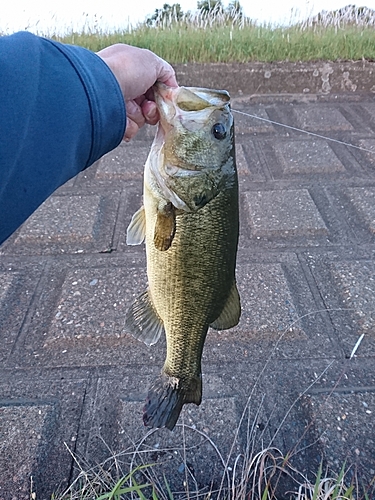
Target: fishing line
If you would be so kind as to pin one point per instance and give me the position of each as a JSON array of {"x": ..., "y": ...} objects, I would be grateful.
[{"x": 304, "y": 131}]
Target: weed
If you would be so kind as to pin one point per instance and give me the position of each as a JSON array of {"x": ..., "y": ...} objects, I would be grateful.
[{"x": 210, "y": 38}]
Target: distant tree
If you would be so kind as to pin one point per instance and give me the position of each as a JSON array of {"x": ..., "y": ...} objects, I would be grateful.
[
  {"x": 235, "y": 10},
  {"x": 235, "y": 6},
  {"x": 167, "y": 13},
  {"x": 348, "y": 15},
  {"x": 208, "y": 6}
]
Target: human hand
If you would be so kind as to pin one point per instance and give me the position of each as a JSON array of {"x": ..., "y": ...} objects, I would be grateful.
[{"x": 136, "y": 71}]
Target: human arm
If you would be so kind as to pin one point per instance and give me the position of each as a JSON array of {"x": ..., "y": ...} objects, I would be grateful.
[{"x": 61, "y": 109}]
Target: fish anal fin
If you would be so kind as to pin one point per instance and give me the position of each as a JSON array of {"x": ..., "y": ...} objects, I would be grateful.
[
  {"x": 136, "y": 231},
  {"x": 165, "y": 400},
  {"x": 165, "y": 227},
  {"x": 231, "y": 313},
  {"x": 142, "y": 321}
]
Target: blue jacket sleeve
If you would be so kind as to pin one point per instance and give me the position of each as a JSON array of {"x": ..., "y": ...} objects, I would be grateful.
[{"x": 61, "y": 109}]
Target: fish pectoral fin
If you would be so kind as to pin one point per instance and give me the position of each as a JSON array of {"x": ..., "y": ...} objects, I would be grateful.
[
  {"x": 165, "y": 227},
  {"x": 136, "y": 231},
  {"x": 142, "y": 321},
  {"x": 231, "y": 313}
]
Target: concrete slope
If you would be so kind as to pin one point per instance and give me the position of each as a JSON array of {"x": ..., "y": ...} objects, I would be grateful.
[{"x": 70, "y": 374}]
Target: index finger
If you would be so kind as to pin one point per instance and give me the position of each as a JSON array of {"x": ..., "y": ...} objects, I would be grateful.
[{"x": 167, "y": 74}]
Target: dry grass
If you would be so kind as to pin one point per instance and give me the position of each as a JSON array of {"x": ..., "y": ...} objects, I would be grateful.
[
  {"x": 249, "y": 478},
  {"x": 258, "y": 471}
]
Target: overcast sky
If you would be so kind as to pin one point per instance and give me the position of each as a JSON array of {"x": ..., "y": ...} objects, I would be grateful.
[{"x": 48, "y": 16}]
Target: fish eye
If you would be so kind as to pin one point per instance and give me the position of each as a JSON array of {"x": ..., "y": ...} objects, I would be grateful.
[{"x": 219, "y": 131}]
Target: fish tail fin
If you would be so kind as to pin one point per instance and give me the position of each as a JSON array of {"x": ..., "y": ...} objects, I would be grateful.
[{"x": 165, "y": 400}]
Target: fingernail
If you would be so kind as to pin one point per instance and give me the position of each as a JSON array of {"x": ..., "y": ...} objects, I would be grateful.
[{"x": 153, "y": 114}]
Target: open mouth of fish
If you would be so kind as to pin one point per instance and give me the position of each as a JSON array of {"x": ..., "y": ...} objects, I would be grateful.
[{"x": 191, "y": 105}]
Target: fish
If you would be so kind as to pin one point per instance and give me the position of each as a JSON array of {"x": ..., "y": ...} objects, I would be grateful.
[{"x": 189, "y": 221}]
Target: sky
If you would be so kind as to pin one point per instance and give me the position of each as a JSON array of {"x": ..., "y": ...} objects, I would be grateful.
[{"x": 56, "y": 16}]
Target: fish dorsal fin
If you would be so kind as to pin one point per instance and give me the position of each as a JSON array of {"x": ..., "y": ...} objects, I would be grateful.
[
  {"x": 136, "y": 231},
  {"x": 165, "y": 227},
  {"x": 142, "y": 321},
  {"x": 231, "y": 313}
]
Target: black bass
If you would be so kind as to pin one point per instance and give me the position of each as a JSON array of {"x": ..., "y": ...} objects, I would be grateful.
[{"x": 189, "y": 221}]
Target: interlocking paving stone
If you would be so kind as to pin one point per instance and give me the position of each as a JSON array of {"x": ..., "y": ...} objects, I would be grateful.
[
  {"x": 268, "y": 306},
  {"x": 348, "y": 290},
  {"x": 249, "y": 164},
  {"x": 36, "y": 417},
  {"x": 68, "y": 224},
  {"x": 344, "y": 423},
  {"x": 363, "y": 200},
  {"x": 18, "y": 460},
  {"x": 305, "y": 413},
  {"x": 255, "y": 124},
  {"x": 241, "y": 162},
  {"x": 62, "y": 217},
  {"x": 16, "y": 292},
  {"x": 125, "y": 162},
  {"x": 279, "y": 316},
  {"x": 10, "y": 328},
  {"x": 283, "y": 213},
  {"x": 305, "y": 157},
  {"x": 312, "y": 118},
  {"x": 370, "y": 108},
  {"x": 368, "y": 144},
  {"x": 89, "y": 291},
  {"x": 5, "y": 284},
  {"x": 352, "y": 209},
  {"x": 356, "y": 285},
  {"x": 86, "y": 311},
  {"x": 305, "y": 274}
]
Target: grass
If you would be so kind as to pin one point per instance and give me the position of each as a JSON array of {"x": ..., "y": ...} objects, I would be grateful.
[
  {"x": 226, "y": 44},
  {"x": 220, "y": 38},
  {"x": 148, "y": 471},
  {"x": 252, "y": 477}
]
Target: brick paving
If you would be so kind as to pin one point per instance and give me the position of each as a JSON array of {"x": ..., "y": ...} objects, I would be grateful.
[{"x": 69, "y": 373}]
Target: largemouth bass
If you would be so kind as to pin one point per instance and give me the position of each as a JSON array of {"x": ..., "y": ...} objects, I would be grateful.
[{"x": 189, "y": 221}]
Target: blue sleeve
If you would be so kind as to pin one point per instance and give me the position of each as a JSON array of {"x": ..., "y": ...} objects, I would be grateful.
[{"x": 61, "y": 109}]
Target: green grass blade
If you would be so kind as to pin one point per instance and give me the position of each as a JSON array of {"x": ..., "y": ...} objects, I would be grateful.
[
  {"x": 317, "y": 482},
  {"x": 338, "y": 482},
  {"x": 265, "y": 493},
  {"x": 349, "y": 492},
  {"x": 170, "y": 494},
  {"x": 138, "y": 488},
  {"x": 119, "y": 490}
]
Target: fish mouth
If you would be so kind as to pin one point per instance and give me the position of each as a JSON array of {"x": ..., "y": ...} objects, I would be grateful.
[
  {"x": 171, "y": 99},
  {"x": 164, "y": 99},
  {"x": 176, "y": 102}
]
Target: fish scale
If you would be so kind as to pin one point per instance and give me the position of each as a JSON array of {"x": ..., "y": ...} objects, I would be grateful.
[{"x": 191, "y": 299}]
